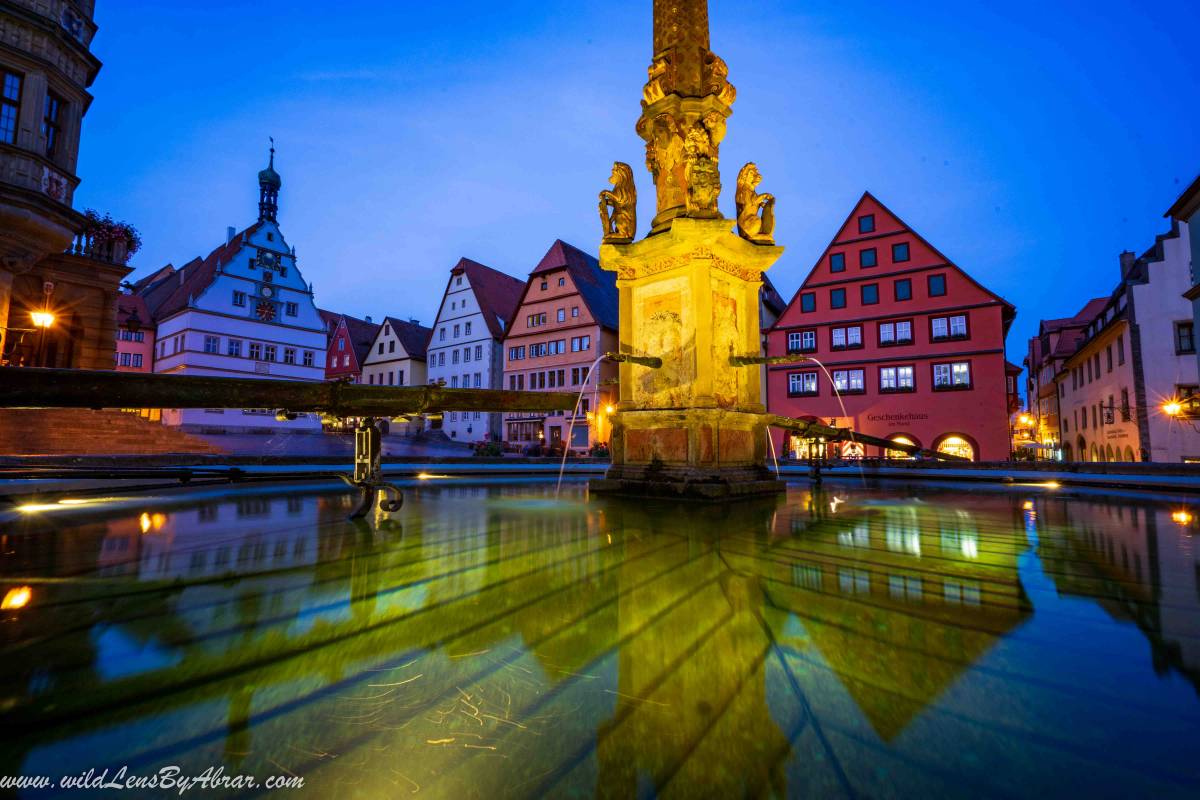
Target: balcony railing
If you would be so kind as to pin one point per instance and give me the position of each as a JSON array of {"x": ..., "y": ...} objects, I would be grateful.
[{"x": 110, "y": 252}]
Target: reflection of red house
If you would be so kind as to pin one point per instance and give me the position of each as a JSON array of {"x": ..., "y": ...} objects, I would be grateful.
[
  {"x": 914, "y": 344},
  {"x": 349, "y": 343}
]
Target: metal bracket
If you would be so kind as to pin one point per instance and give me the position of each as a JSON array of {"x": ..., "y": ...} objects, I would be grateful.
[{"x": 368, "y": 472}]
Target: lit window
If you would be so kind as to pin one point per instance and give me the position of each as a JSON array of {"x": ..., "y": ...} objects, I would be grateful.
[
  {"x": 956, "y": 375},
  {"x": 802, "y": 341},
  {"x": 848, "y": 381},
  {"x": 896, "y": 379},
  {"x": 802, "y": 383}
]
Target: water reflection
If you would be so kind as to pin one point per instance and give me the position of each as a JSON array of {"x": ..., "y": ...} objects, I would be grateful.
[
  {"x": 491, "y": 641},
  {"x": 1141, "y": 564}
]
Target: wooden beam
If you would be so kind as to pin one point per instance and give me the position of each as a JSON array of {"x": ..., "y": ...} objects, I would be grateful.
[{"x": 27, "y": 387}]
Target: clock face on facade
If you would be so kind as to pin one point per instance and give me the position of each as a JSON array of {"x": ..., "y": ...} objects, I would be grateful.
[
  {"x": 265, "y": 311},
  {"x": 267, "y": 291},
  {"x": 267, "y": 258}
]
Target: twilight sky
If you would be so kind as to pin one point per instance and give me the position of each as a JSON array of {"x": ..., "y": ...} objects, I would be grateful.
[{"x": 1030, "y": 142}]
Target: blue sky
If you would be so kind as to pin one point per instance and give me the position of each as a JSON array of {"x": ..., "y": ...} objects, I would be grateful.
[{"x": 1030, "y": 142}]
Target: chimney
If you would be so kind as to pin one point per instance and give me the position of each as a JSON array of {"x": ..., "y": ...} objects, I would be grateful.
[
  {"x": 414, "y": 320},
  {"x": 368, "y": 318},
  {"x": 1128, "y": 260},
  {"x": 229, "y": 233}
]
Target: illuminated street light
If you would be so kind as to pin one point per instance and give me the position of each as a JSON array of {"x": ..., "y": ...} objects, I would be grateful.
[
  {"x": 42, "y": 319},
  {"x": 1181, "y": 517},
  {"x": 1172, "y": 408},
  {"x": 609, "y": 409},
  {"x": 17, "y": 597},
  {"x": 1025, "y": 419}
]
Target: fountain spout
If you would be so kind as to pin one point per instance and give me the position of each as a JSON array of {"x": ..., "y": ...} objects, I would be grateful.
[
  {"x": 753, "y": 361},
  {"x": 653, "y": 362}
]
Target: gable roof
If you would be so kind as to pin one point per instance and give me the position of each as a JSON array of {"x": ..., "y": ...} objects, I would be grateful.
[
  {"x": 1187, "y": 204},
  {"x": 413, "y": 336},
  {"x": 330, "y": 320},
  {"x": 130, "y": 304},
  {"x": 1009, "y": 310},
  {"x": 170, "y": 296},
  {"x": 596, "y": 286},
  {"x": 360, "y": 332},
  {"x": 497, "y": 293}
]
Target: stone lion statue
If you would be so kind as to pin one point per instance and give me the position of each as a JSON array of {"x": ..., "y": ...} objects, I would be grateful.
[
  {"x": 755, "y": 212},
  {"x": 618, "y": 206}
]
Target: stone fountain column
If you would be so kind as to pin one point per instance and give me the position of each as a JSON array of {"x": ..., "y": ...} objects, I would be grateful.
[{"x": 689, "y": 291}]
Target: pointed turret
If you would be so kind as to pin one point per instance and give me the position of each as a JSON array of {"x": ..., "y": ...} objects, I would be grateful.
[{"x": 269, "y": 184}]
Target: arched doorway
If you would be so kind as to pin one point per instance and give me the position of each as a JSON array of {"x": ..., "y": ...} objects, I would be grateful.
[
  {"x": 1109, "y": 455},
  {"x": 1129, "y": 459},
  {"x": 1081, "y": 449},
  {"x": 1068, "y": 452},
  {"x": 1095, "y": 454},
  {"x": 957, "y": 444},
  {"x": 901, "y": 438}
]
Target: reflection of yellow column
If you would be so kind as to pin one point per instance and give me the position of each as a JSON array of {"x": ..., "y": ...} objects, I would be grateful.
[{"x": 692, "y": 714}]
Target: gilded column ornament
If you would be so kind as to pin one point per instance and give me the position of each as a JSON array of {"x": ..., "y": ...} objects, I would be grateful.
[
  {"x": 755, "y": 212},
  {"x": 701, "y": 175},
  {"x": 618, "y": 206},
  {"x": 685, "y": 103}
]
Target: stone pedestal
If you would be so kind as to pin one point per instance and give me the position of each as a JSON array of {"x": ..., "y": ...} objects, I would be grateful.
[
  {"x": 695, "y": 426},
  {"x": 706, "y": 453}
]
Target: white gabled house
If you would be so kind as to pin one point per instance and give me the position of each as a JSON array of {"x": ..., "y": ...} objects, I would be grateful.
[
  {"x": 465, "y": 348},
  {"x": 243, "y": 311}
]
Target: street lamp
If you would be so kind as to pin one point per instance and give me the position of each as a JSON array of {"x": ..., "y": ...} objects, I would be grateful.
[{"x": 1172, "y": 408}]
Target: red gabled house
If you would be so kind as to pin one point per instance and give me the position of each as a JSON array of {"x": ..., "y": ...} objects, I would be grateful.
[
  {"x": 914, "y": 344},
  {"x": 349, "y": 343}
]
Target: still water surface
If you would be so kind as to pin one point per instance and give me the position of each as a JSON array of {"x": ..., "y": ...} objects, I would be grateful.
[{"x": 490, "y": 641}]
